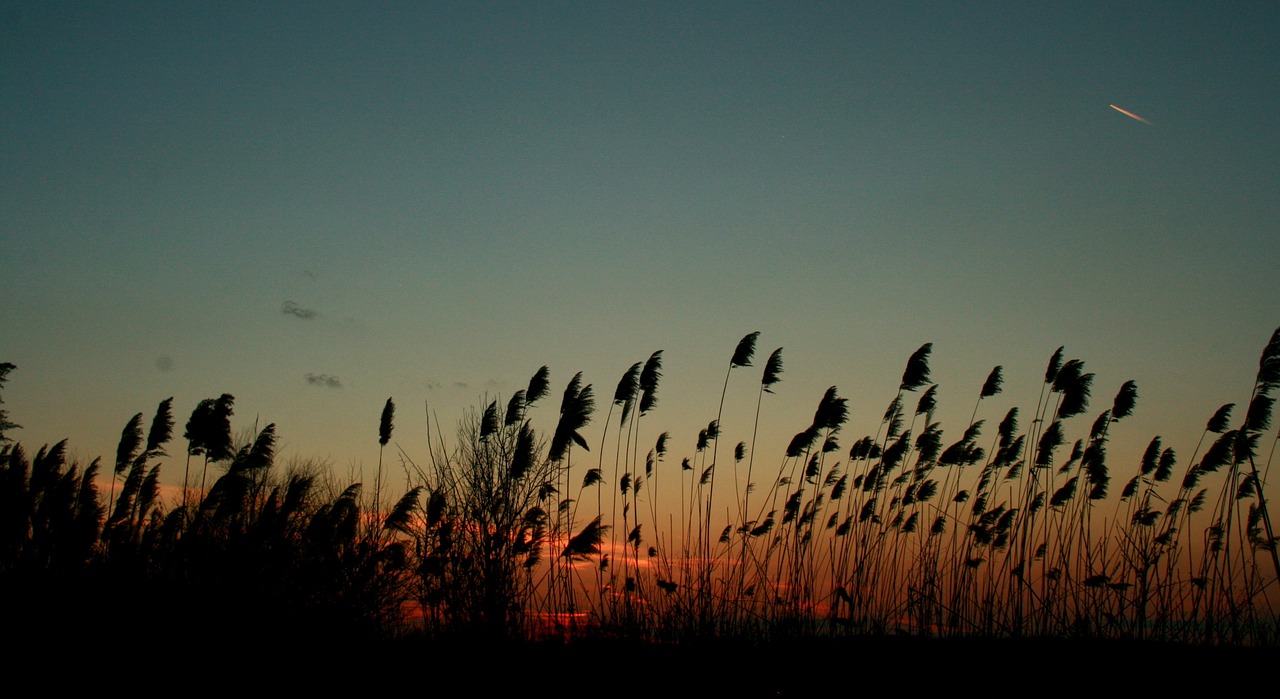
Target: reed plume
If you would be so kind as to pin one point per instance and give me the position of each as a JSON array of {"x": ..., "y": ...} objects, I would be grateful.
[
  {"x": 5, "y": 368},
  {"x": 917, "y": 372},
  {"x": 586, "y": 543},
  {"x": 575, "y": 413},
  {"x": 384, "y": 436}
]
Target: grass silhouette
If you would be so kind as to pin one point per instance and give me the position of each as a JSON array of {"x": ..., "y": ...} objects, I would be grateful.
[{"x": 1018, "y": 535}]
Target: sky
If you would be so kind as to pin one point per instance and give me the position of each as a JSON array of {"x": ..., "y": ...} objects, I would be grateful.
[{"x": 317, "y": 206}]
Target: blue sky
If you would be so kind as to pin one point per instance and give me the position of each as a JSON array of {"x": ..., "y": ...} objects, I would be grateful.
[{"x": 462, "y": 193}]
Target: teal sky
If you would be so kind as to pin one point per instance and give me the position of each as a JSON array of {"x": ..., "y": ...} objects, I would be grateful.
[{"x": 456, "y": 194}]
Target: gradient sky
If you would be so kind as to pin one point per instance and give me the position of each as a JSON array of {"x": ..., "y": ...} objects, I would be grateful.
[{"x": 461, "y": 193}]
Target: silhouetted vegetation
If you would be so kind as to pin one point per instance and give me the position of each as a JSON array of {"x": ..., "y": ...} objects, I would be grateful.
[{"x": 499, "y": 536}]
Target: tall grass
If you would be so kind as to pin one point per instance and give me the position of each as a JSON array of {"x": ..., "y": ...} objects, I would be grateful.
[{"x": 1031, "y": 530}]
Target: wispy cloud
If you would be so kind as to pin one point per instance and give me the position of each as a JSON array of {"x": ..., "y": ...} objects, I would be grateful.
[
  {"x": 292, "y": 309},
  {"x": 325, "y": 380}
]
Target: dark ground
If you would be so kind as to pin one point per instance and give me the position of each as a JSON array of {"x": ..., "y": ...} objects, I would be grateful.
[
  {"x": 197, "y": 647},
  {"x": 889, "y": 666}
]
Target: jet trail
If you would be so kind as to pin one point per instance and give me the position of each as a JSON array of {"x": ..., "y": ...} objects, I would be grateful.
[{"x": 1130, "y": 114}]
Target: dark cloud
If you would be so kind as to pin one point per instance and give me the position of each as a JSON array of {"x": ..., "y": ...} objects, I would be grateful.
[
  {"x": 164, "y": 363},
  {"x": 292, "y": 309},
  {"x": 324, "y": 380},
  {"x": 459, "y": 384}
]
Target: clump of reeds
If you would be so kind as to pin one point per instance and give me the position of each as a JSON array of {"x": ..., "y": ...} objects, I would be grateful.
[{"x": 1024, "y": 532}]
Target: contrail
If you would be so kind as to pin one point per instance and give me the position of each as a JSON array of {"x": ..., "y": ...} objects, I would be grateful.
[{"x": 1128, "y": 113}]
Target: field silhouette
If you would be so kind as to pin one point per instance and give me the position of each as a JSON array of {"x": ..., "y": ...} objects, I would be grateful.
[{"x": 513, "y": 535}]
